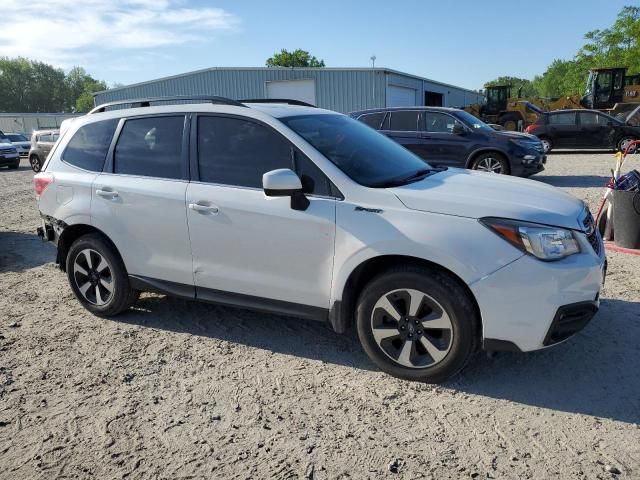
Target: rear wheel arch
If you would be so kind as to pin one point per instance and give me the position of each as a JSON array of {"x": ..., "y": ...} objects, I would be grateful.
[
  {"x": 70, "y": 234},
  {"x": 342, "y": 314}
]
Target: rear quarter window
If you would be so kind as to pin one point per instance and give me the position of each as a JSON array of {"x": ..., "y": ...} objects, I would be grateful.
[
  {"x": 88, "y": 147},
  {"x": 374, "y": 120}
]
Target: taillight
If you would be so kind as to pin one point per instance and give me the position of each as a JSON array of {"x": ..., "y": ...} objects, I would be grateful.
[
  {"x": 40, "y": 182},
  {"x": 531, "y": 128}
]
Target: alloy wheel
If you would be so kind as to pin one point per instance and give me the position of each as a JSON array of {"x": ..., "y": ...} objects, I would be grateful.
[
  {"x": 625, "y": 142},
  {"x": 411, "y": 328},
  {"x": 546, "y": 146},
  {"x": 489, "y": 164},
  {"x": 93, "y": 277}
]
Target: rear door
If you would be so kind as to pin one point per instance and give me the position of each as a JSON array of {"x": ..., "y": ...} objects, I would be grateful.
[
  {"x": 139, "y": 199},
  {"x": 438, "y": 144},
  {"x": 564, "y": 130},
  {"x": 403, "y": 126}
]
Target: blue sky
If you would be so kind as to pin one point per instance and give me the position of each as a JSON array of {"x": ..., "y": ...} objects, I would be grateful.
[{"x": 464, "y": 42}]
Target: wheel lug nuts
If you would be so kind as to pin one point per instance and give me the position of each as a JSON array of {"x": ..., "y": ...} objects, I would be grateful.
[
  {"x": 419, "y": 332},
  {"x": 416, "y": 322}
]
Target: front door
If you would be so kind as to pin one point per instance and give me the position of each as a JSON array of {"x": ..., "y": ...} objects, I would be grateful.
[
  {"x": 596, "y": 130},
  {"x": 139, "y": 201},
  {"x": 438, "y": 144},
  {"x": 249, "y": 248}
]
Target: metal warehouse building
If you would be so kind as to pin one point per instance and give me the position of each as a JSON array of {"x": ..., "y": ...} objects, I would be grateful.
[{"x": 340, "y": 89}]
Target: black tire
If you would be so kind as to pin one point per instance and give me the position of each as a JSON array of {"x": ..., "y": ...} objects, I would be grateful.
[
  {"x": 627, "y": 138},
  {"x": 491, "y": 160},
  {"x": 14, "y": 166},
  {"x": 36, "y": 163},
  {"x": 510, "y": 121},
  {"x": 121, "y": 297},
  {"x": 439, "y": 287},
  {"x": 547, "y": 144}
]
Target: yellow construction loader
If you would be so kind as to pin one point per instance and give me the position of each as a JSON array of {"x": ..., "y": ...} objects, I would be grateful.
[{"x": 608, "y": 89}]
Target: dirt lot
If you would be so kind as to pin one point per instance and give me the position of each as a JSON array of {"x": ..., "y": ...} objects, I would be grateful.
[{"x": 176, "y": 389}]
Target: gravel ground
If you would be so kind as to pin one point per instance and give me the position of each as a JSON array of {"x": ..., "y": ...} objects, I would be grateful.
[{"x": 175, "y": 389}]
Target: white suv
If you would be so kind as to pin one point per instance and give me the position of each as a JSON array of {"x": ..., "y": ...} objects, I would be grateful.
[{"x": 308, "y": 213}]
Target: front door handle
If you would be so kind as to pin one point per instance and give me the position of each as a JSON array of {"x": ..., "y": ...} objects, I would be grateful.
[
  {"x": 203, "y": 208},
  {"x": 110, "y": 194}
]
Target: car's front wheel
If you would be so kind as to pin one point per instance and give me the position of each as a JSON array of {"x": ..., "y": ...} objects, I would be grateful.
[
  {"x": 36, "y": 163},
  {"x": 418, "y": 324},
  {"x": 547, "y": 145},
  {"x": 98, "y": 277},
  {"x": 492, "y": 163},
  {"x": 625, "y": 142}
]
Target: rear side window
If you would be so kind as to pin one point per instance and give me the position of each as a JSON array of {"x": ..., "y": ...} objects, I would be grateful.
[
  {"x": 150, "y": 147},
  {"x": 592, "y": 118},
  {"x": 405, "y": 120},
  {"x": 568, "y": 118},
  {"x": 233, "y": 151},
  {"x": 374, "y": 120},
  {"x": 88, "y": 147}
]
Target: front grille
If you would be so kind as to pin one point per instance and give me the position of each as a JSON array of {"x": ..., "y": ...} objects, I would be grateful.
[{"x": 593, "y": 235}]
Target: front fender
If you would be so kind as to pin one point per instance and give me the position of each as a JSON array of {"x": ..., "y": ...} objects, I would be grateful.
[{"x": 458, "y": 244}]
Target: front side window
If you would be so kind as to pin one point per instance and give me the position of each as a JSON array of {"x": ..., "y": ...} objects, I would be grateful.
[
  {"x": 89, "y": 146},
  {"x": 366, "y": 156},
  {"x": 568, "y": 118},
  {"x": 439, "y": 122},
  {"x": 404, "y": 120},
  {"x": 374, "y": 120},
  {"x": 150, "y": 147},
  {"x": 238, "y": 152}
]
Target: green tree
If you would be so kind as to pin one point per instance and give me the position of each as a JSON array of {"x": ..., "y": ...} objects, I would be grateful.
[
  {"x": 29, "y": 86},
  {"x": 522, "y": 84},
  {"x": 297, "y": 58},
  {"x": 85, "y": 102}
]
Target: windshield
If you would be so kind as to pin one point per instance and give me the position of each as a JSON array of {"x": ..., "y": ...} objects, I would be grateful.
[
  {"x": 17, "y": 138},
  {"x": 472, "y": 121},
  {"x": 366, "y": 156}
]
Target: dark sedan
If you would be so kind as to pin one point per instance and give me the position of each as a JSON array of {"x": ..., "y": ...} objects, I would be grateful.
[
  {"x": 582, "y": 129},
  {"x": 455, "y": 138}
]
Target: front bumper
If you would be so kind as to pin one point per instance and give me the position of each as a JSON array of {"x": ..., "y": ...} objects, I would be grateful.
[
  {"x": 528, "y": 163},
  {"x": 9, "y": 159},
  {"x": 530, "y": 304}
]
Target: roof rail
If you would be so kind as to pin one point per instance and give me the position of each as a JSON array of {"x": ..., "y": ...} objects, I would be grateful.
[
  {"x": 287, "y": 101},
  {"x": 146, "y": 102}
]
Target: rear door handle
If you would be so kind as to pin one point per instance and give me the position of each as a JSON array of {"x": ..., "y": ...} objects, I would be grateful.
[
  {"x": 107, "y": 193},
  {"x": 203, "y": 208}
]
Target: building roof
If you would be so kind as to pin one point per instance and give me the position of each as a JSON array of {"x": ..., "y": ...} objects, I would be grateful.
[{"x": 315, "y": 69}]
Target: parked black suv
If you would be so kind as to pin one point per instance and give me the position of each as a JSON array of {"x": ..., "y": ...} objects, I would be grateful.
[
  {"x": 583, "y": 129},
  {"x": 452, "y": 137}
]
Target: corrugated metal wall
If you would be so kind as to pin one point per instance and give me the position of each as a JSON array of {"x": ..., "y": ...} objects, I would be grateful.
[
  {"x": 342, "y": 90},
  {"x": 28, "y": 122},
  {"x": 451, "y": 96}
]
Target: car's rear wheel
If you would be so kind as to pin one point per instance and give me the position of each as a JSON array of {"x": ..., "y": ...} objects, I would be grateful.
[
  {"x": 98, "y": 277},
  {"x": 491, "y": 162},
  {"x": 418, "y": 324},
  {"x": 36, "y": 163},
  {"x": 625, "y": 142},
  {"x": 547, "y": 145}
]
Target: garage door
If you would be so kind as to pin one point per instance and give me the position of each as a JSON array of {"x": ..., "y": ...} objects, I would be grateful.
[
  {"x": 400, "y": 96},
  {"x": 304, "y": 90}
]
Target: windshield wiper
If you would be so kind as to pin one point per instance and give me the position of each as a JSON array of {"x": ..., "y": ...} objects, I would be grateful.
[{"x": 414, "y": 177}]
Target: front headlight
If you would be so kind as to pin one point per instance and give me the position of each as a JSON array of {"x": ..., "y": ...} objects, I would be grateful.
[{"x": 541, "y": 241}]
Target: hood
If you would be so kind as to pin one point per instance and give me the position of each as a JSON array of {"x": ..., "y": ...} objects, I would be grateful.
[
  {"x": 511, "y": 134},
  {"x": 466, "y": 193}
]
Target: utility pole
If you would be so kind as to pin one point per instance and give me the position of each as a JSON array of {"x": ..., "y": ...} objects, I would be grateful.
[{"x": 373, "y": 67}]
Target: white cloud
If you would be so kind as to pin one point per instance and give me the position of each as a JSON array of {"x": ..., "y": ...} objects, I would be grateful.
[{"x": 66, "y": 33}]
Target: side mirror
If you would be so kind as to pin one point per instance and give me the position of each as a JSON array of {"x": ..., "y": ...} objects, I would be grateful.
[
  {"x": 285, "y": 183},
  {"x": 458, "y": 129}
]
